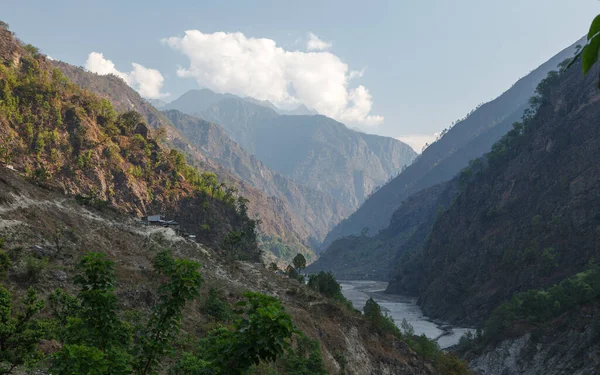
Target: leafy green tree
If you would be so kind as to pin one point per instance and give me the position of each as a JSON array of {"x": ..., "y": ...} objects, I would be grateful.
[
  {"x": 261, "y": 333},
  {"x": 382, "y": 321},
  {"x": 19, "y": 332},
  {"x": 325, "y": 283},
  {"x": 299, "y": 262},
  {"x": 183, "y": 284},
  {"x": 95, "y": 334}
]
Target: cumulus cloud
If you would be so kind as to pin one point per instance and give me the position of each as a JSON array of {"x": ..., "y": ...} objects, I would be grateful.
[
  {"x": 418, "y": 141},
  {"x": 316, "y": 44},
  {"x": 148, "y": 82},
  {"x": 257, "y": 67}
]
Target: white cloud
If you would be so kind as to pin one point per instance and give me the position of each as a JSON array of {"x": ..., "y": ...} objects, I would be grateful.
[
  {"x": 418, "y": 141},
  {"x": 316, "y": 44},
  {"x": 232, "y": 62},
  {"x": 148, "y": 82}
]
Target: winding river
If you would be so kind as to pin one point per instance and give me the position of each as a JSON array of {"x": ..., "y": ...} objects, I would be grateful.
[{"x": 401, "y": 307}]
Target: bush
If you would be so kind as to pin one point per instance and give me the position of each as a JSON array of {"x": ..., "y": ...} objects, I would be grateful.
[
  {"x": 4, "y": 264},
  {"x": 216, "y": 307},
  {"x": 306, "y": 359},
  {"x": 325, "y": 283},
  {"x": 34, "y": 268}
]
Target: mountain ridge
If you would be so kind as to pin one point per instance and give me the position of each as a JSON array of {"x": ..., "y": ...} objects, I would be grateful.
[{"x": 442, "y": 160}]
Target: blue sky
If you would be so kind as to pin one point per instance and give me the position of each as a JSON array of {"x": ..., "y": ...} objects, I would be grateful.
[{"x": 424, "y": 63}]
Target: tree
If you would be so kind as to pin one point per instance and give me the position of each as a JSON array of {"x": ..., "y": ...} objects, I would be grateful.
[
  {"x": 262, "y": 332},
  {"x": 325, "y": 283},
  {"x": 19, "y": 332},
  {"x": 183, "y": 284},
  {"x": 299, "y": 262},
  {"x": 216, "y": 307},
  {"x": 95, "y": 334}
]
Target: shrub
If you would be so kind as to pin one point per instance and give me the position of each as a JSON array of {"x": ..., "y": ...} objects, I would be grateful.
[
  {"x": 4, "y": 264},
  {"x": 305, "y": 359},
  {"x": 34, "y": 268},
  {"x": 216, "y": 307},
  {"x": 381, "y": 321}
]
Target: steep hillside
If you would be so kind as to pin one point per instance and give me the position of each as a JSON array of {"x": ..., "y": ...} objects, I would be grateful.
[
  {"x": 31, "y": 217},
  {"x": 318, "y": 211},
  {"x": 74, "y": 175},
  {"x": 69, "y": 139},
  {"x": 361, "y": 257},
  {"x": 282, "y": 230},
  {"x": 468, "y": 139},
  {"x": 312, "y": 150},
  {"x": 528, "y": 213}
]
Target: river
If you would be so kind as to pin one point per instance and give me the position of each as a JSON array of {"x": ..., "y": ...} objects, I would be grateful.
[{"x": 401, "y": 307}]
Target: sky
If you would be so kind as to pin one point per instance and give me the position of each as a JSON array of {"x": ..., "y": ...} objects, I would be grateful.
[{"x": 405, "y": 69}]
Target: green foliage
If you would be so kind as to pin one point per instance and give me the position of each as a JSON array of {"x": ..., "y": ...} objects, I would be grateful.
[
  {"x": 589, "y": 53},
  {"x": 20, "y": 332},
  {"x": 299, "y": 262},
  {"x": 381, "y": 321},
  {"x": 95, "y": 338},
  {"x": 293, "y": 274},
  {"x": 261, "y": 333},
  {"x": 63, "y": 305},
  {"x": 407, "y": 328},
  {"x": 183, "y": 283},
  {"x": 450, "y": 364},
  {"x": 4, "y": 25},
  {"x": 305, "y": 359},
  {"x": 34, "y": 268},
  {"x": 189, "y": 364},
  {"x": 539, "y": 306},
  {"x": 216, "y": 307},
  {"x": 326, "y": 284},
  {"x": 4, "y": 264}
]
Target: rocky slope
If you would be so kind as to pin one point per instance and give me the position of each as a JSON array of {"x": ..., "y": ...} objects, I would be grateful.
[
  {"x": 313, "y": 150},
  {"x": 441, "y": 161},
  {"x": 528, "y": 216},
  {"x": 79, "y": 173},
  {"x": 278, "y": 220},
  {"x": 30, "y": 216},
  {"x": 567, "y": 344},
  {"x": 318, "y": 211},
  {"x": 69, "y": 139}
]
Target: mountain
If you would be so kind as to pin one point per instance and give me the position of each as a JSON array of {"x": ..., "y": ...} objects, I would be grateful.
[
  {"x": 316, "y": 210},
  {"x": 81, "y": 146},
  {"x": 278, "y": 222},
  {"x": 526, "y": 217},
  {"x": 157, "y": 103},
  {"x": 314, "y": 150},
  {"x": 74, "y": 174},
  {"x": 362, "y": 257},
  {"x": 441, "y": 161}
]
